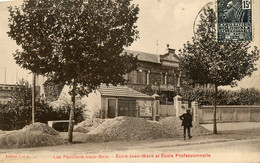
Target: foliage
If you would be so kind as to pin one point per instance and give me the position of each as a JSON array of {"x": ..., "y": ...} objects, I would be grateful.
[
  {"x": 13, "y": 118},
  {"x": 204, "y": 60},
  {"x": 202, "y": 96},
  {"x": 147, "y": 90},
  {"x": 22, "y": 94},
  {"x": 63, "y": 105},
  {"x": 166, "y": 97},
  {"x": 163, "y": 95},
  {"x": 8, "y": 120},
  {"x": 207, "y": 61},
  {"x": 18, "y": 113},
  {"x": 78, "y": 42},
  {"x": 249, "y": 96}
]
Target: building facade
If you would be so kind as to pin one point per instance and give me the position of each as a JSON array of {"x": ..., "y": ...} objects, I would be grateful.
[{"x": 156, "y": 72}]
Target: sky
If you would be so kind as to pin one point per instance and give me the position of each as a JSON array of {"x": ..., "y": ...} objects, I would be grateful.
[{"x": 160, "y": 22}]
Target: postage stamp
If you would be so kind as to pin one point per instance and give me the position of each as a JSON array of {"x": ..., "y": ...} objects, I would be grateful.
[{"x": 234, "y": 20}]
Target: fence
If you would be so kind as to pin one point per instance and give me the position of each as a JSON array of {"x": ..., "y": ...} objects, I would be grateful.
[
  {"x": 232, "y": 113},
  {"x": 204, "y": 113}
]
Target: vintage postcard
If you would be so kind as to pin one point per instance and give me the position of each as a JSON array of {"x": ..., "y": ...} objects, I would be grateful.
[{"x": 129, "y": 81}]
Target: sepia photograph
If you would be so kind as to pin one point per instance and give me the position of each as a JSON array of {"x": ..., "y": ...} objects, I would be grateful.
[{"x": 130, "y": 81}]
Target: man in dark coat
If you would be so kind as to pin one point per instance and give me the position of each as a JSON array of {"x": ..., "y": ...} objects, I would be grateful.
[{"x": 186, "y": 122}]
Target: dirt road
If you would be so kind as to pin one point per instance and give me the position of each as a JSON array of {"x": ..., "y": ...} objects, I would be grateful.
[{"x": 227, "y": 146}]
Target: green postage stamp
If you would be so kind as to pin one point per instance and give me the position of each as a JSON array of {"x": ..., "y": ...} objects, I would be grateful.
[{"x": 234, "y": 20}]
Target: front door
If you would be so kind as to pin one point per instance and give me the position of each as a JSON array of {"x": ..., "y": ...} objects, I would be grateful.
[{"x": 111, "y": 108}]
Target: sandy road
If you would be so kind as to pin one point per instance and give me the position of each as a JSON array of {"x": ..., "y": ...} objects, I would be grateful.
[{"x": 228, "y": 146}]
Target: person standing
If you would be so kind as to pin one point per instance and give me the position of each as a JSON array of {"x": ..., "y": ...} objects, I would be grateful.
[{"x": 186, "y": 123}]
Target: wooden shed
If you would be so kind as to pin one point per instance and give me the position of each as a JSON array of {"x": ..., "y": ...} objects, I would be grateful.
[{"x": 124, "y": 101}]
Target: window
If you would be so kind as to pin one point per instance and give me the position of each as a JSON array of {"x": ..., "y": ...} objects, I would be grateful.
[
  {"x": 170, "y": 80},
  {"x": 127, "y": 108},
  {"x": 148, "y": 78},
  {"x": 142, "y": 77},
  {"x": 129, "y": 77},
  {"x": 132, "y": 77},
  {"x": 164, "y": 78},
  {"x": 139, "y": 77},
  {"x": 135, "y": 77}
]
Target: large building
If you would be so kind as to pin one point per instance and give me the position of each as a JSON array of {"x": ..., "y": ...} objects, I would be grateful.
[
  {"x": 158, "y": 72},
  {"x": 154, "y": 72}
]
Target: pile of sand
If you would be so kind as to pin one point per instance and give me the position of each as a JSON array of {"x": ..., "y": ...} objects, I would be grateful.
[
  {"x": 173, "y": 125},
  {"x": 26, "y": 139},
  {"x": 1, "y": 133},
  {"x": 34, "y": 135},
  {"x": 40, "y": 127},
  {"x": 126, "y": 128},
  {"x": 88, "y": 125},
  {"x": 132, "y": 128}
]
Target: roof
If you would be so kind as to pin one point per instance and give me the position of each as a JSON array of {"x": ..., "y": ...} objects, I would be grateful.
[
  {"x": 120, "y": 91},
  {"x": 170, "y": 56},
  {"x": 142, "y": 56},
  {"x": 7, "y": 85}
]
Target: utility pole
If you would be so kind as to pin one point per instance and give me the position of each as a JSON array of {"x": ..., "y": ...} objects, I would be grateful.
[
  {"x": 33, "y": 97},
  {"x": 157, "y": 44},
  {"x": 5, "y": 77},
  {"x": 16, "y": 76}
]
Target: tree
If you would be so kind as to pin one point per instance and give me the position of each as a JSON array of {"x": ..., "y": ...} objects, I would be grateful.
[
  {"x": 18, "y": 112},
  {"x": 249, "y": 96},
  {"x": 78, "y": 42},
  {"x": 20, "y": 105},
  {"x": 206, "y": 61}
]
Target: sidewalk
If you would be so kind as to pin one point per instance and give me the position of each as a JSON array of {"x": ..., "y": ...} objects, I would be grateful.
[
  {"x": 226, "y": 132},
  {"x": 233, "y": 126}
]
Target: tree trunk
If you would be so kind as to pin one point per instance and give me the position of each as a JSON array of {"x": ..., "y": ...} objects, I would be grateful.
[
  {"x": 215, "y": 110},
  {"x": 33, "y": 98},
  {"x": 72, "y": 111}
]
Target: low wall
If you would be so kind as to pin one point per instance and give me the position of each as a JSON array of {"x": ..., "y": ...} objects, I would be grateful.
[
  {"x": 229, "y": 113},
  {"x": 167, "y": 110}
]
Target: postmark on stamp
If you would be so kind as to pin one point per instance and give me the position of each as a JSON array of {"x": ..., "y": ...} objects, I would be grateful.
[{"x": 234, "y": 20}]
